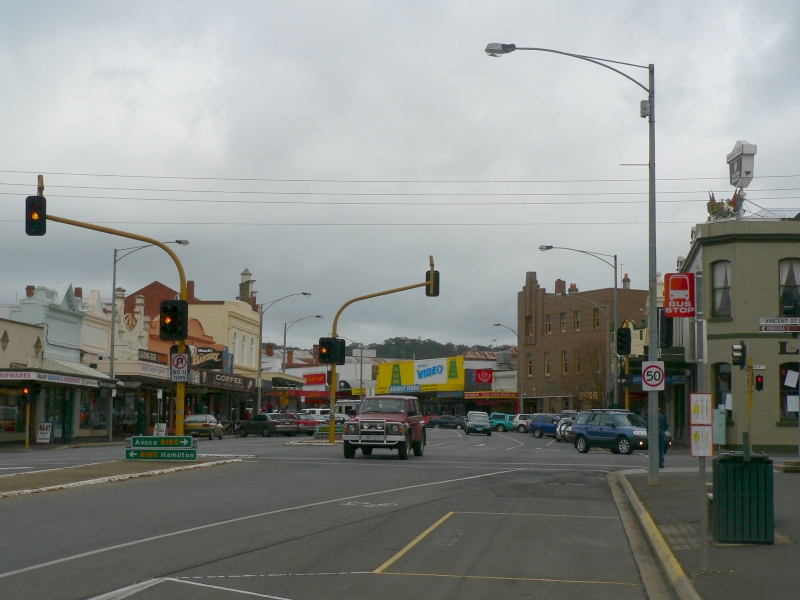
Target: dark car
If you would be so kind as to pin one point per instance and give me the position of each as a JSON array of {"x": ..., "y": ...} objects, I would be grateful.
[
  {"x": 543, "y": 424},
  {"x": 269, "y": 424},
  {"x": 619, "y": 430},
  {"x": 478, "y": 423},
  {"x": 445, "y": 422}
]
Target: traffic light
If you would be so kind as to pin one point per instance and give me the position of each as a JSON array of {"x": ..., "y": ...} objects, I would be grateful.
[
  {"x": 174, "y": 320},
  {"x": 623, "y": 341},
  {"x": 35, "y": 215},
  {"x": 739, "y": 354},
  {"x": 432, "y": 289},
  {"x": 759, "y": 383},
  {"x": 331, "y": 351}
]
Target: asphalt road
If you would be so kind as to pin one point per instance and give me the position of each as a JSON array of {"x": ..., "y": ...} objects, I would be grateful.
[{"x": 506, "y": 515}]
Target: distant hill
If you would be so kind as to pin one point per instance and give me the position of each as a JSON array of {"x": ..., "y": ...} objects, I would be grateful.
[{"x": 419, "y": 349}]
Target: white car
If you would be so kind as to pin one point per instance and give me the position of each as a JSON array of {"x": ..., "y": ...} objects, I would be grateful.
[{"x": 520, "y": 423}]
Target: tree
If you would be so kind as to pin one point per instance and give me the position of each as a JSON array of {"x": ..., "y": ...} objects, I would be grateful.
[{"x": 589, "y": 383}]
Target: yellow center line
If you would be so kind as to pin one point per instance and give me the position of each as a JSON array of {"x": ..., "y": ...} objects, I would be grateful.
[
  {"x": 542, "y": 579},
  {"x": 413, "y": 543},
  {"x": 467, "y": 512}
]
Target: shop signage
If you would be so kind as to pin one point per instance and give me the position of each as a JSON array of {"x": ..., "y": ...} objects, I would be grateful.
[
  {"x": 227, "y": 381},
  {"x": 679, "y": 295},
  {"x": 50, "y": 377},
  {"x": 161, "y": 428},
  {"x": 440, "y": 375},
  {"x": 161, "y": 454},
  {"x": 468, "y": 395},
  {"x": 484, "y": 376},
  {"x": 315, "y": 378},
  {"x": 153, "y": 357},
  {"x": 208, "y": 358},
  {"x": 45, "y": 433},
  {"x": 167, "y": 441},
  {"x": 779, "y": 324},
  {"x": 401, "y": 389}
]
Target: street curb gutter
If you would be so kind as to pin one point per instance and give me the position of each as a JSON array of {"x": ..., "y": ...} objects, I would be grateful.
[
  {"x": 99, "y": 480},
  {"x": 672, "y": 569}
]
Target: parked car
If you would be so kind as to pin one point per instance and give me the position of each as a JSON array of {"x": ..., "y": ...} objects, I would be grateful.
[
  {"x": 619, "y": 430},
  {"x": 520, "y": 423},
  {"x": 445, "y": 422},
  {"x": 203, "y": 425},
  {"x": 478, "y": 423},
  {"x": 391, "y": 422},
  {"x": 269, "y": 424},
  {"x": 501, "y": 421},
  {"x": 305, "y": 423},
  {"x": 542, "y": 424}
]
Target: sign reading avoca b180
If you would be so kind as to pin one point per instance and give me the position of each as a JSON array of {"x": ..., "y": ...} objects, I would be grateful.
[{"x": 679, "y": 295}]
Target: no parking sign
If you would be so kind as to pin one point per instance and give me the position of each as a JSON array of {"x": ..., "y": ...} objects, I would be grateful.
[{"x": 653, "y": 376}]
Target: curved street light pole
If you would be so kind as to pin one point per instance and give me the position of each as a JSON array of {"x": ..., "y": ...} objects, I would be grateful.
[
  {"x": 520, "y": 408},
  {"x": 598, "y": 256},
  {"x": 647, "y": 109},
  {"x": 286, "y": 327}
]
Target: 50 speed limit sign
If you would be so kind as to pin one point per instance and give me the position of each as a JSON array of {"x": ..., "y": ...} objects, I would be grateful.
[{"x": 653, "y": 376}]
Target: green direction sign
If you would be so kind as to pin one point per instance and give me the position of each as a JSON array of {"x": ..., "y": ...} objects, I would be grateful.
[
  {"x": 167, "y": 441},
  {"x": 159, "y": 454}
]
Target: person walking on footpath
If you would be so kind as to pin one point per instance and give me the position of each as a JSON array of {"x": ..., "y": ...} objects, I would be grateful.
[{"x": 662, "y": 428}]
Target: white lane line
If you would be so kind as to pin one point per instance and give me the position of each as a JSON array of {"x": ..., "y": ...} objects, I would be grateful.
[
  {"x": 517, "y": 442},
  {"x": 277, "y": 574},
  {"x": 57, "y": 468},
  {"x": 217, "y": 587},
  {"x": 128, "y": 591},
  {"x": 460, "y": 437},
  {"x": 479, "y": 445},
  {"x": 240, "y": 519},
  {"x": 551, "y": 441}
]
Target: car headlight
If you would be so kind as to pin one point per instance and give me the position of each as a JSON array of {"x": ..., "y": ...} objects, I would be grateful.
[
  {"x": 352, "y": 428},
  {"x": 642, "y": 433},
  {"x": 396, "y": 428}
]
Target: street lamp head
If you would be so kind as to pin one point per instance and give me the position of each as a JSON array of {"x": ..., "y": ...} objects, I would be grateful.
[
  {"x": 306, "y": 293},
  {"x": 545, "y": 248},
  {"x": 182, "y": 242},
  {"x": 498, "y": 324},
  {"x": 318, "y": 316},
  {"x": 497, "y": 50}
]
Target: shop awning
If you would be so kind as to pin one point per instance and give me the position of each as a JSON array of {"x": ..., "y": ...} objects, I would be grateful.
[
  {"x": 281, "y": 380},
  {"x": 73, "y": 368}
]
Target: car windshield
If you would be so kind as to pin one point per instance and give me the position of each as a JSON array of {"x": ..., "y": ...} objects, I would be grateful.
[
  {"x": 195, "y": 419},
  {"x": 382, "y": 405},
  {"x": 280, "y": 417},
  {"x": 628, "y": 419},
  {"x": 479, "y": 419}
]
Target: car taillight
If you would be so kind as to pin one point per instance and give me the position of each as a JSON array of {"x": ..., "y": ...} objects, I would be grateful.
[{"x": 206, "y": 424}]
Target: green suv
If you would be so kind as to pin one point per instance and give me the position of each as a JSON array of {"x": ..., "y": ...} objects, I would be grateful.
[{"x": 502, "y": 421}]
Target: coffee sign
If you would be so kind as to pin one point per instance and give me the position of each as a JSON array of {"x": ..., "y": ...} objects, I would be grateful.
[{"x": 227, "y": 381}]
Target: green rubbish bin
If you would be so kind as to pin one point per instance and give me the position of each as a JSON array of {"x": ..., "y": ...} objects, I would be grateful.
[{"x": 744, "y": 511}]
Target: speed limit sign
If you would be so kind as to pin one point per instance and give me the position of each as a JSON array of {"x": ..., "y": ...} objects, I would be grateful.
[{"x": 653, "y": 376}]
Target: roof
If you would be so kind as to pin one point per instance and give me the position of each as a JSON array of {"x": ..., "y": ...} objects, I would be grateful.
[{"x": 73, "y": 368}]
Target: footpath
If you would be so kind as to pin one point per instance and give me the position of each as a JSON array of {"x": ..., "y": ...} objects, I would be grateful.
[{"x": 746, "y": 571}]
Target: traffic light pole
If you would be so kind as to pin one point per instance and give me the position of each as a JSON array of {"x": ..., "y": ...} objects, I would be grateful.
[
  {"x": 181, "y": 391},
  {"x": 334, "y": 384}
]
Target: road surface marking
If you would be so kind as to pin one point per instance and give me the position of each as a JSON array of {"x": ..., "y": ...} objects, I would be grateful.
[
  {"x": 240, "y": 519},
  {"x": 551, "y": 441},
  {"x": 272, "y": 575},
  {"x": 445, "y": 443},
  {"x": 517, "y": 442},
  {"x": 217, "y": 587},
  {"x": 479, "y": 445},
  {"x": 469, "y": 512},
  {"x": 411, "y": 544},
  {"x": 495, "y": 577}
]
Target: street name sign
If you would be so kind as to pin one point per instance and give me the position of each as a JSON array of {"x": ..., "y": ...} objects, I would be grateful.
[
  {"x": 179, "y": 370},
  {"x": 759, "y": 367},
  {"x": 779, "y": 324},
  {"x": 168, "y": 441},
  {"x": 160, "y": 454},
  {"x": 653, "y": 376}
]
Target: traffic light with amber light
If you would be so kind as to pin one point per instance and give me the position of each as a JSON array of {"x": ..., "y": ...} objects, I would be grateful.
[
  {"x": 35, "y": 215},
  {"x": 759, "y": 383},
  {"x": 432, "y": 289},
  {"x": 174, "y": 320},
  {"x": 623, "y": 341},
  {"x": 331, "y": 351}
]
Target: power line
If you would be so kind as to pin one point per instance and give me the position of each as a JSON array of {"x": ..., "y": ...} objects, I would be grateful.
[{"x": 517, "y": 224}]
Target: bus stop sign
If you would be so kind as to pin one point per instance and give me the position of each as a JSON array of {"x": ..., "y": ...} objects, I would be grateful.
[{"x": 679, "y": 295}]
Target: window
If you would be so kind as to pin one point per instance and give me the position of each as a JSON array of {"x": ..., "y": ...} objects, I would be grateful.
[
  {"x": 577, "y": 320},
  {"x": 597, "y": 419},
  {"x": 564, "y": 362},
  {"x": 549, "y": 323},
  {"x": 235, "y": 342},
  {"x": 722, "y": 288},
  {"x": 577, "y": 361},
  {"x": 563, "y": 319},
  {"x": 789, "y": 392},
  {"x": 252, "y": 351},
  {"x": 242, "y": 355},
  {"x": 596, "y": 318},
  {"x": 789, "y": 293},
  {"x": 529, "y": 364},
  {"x": 722, "y": 386},
  {"x": 528, "y": 325},
  {"x": 547, "y": 363}
]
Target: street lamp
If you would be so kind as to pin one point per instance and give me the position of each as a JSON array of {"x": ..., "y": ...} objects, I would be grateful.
[
  {"x": 520, "y": 408},
  {"x": 127, "y": 252},
  {"x": 262, "y": 308},
  {"x": 287, "y": 327},
  {"x": 598, "y": 256},
  {"x": 647, "y": 109}
]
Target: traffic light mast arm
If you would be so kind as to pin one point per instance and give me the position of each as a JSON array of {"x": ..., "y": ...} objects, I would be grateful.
[{"x": 332, "y": 421}]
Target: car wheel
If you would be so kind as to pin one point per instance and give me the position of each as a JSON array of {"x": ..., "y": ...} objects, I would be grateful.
[
  {"x": 419, "y": 446},
  {"x": 349, "y": 450},
  {"x": 221, "y": 433},
  {"x": 624, "y": 446},
  {"x": 501, "y": 428},
  {"x": 265, "y": 432},
  {"x": 242, "y": 433},
  {"x": 310, "y": 432},
  {"x": 437, "y": 426},
  {"x": 537, "y": 433},
  {"x": 614, "y": 450},
  {"x": 489, "y": 434},
  {"x": 581, "y": 445},
  {"x": 466, "y": 431},
  {"x": 366, "y": 450},
  {"x": 402, "y": 450},
  {"x": 521, "y": 429}
]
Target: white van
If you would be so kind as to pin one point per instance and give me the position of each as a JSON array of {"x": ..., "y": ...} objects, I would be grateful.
[{"x": 317, "y": 411}]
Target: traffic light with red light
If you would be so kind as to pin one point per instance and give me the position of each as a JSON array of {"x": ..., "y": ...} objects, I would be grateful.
[
  {"x": 35, "y": 215},
  {"x": 331, "y": 351},
  {"x": 759, "y": 383},
  {"x": 174, "y": 320}
]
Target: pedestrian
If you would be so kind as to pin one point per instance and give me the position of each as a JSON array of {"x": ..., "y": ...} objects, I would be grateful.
[{"x": 662, "y": 428}]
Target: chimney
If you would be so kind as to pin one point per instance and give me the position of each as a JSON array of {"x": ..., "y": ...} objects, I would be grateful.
[
  {"x": 79, "y": 292},
  {"x": 626, "y": 282},
  {"x": 246, "y": 287},
  {"x": 190, "y": 291},
  {"x": 289, "y": 357},
  {"x": 269, "y": 349},
  {"x": 316, "y": 354},
  {"x": 253, "y": 302},
  {"x": 561, "y": 286},
  {"x": 573, "y": 288},
  {"x": 29, "y": 291}
]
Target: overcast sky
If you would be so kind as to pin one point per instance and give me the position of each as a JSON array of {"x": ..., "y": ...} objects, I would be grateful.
[{"x": 331, "y": 147}]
